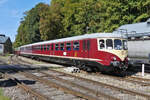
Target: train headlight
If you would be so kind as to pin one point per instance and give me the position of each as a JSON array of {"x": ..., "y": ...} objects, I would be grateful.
[{"x": 114, "y": 58}]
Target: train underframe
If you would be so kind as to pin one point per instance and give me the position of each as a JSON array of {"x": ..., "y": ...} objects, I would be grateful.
[{"x": 86, "y": 65}]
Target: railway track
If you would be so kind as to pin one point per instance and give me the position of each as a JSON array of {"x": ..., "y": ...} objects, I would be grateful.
[
  {"x": 131, "y": 79},
  {"x": 28, "y": 89},
  {"x": 103, "y": 84},
  {"x": 57, "y": 77},
  {"x": 73, "y": 88},
  {"x": 137, "y": 67},
  {"x": 32, "y": 91}
]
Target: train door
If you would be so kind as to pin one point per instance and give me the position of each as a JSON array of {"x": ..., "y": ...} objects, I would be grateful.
[{"x": 86, "y": 48}]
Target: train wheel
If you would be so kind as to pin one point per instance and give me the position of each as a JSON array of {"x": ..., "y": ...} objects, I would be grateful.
[
  {"x": 86, "y": 68},
  {"x": 119, "y": 72},
  {"x": 77, "y": 63},
  {"x": 96, "y": 69}
]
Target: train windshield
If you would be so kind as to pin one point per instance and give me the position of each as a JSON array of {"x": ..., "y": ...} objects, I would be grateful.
[
  {"x": 125, "y": 47},
  {"x": 109, "y": 44},
  {"x": 117, "y": 44}
]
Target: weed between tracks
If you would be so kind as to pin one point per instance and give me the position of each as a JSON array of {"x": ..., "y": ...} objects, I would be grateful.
[{"x": 2, "y": 97}]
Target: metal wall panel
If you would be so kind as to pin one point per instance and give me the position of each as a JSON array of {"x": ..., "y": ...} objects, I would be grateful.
[
  {"x": 1, "y": 48},
  {"x": 139, "y": 49}
]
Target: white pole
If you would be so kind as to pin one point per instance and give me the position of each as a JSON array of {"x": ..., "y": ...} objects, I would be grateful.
[{"x": 143, "y": 69}]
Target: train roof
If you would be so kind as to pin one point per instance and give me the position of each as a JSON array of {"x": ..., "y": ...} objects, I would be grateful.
[
  {"x": 85, "y": 36},
  {"x": 142, "y": 27}
]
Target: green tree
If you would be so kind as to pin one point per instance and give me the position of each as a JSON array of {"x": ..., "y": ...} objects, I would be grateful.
[
  {"x": 64, "y": 18},
  {"x": 51, "y": 26},
  {"x": 28, "y": 31}
]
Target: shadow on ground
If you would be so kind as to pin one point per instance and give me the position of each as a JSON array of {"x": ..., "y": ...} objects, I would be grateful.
[
  {"x": 10, "y": 83},
  {"x": 12, "y": 69}
]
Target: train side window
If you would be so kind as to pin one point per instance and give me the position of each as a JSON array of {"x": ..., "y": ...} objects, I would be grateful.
[
  {"x": 68, "y": 46},
  {"x": 22, "y": 49},
  {"x": 48, "y": 47},
  {"x": 34, "y": 47},
  {"x": 84, "y": 45},
  {"x": 76, "y": 45},
  {"x": 41, "y": 47},
  {"x": 88, "y": 44},
  {"x": 44, "y": 47},
  {"x": 30, "y": 48},
  {"x": 56, "y": 46},
  {"x": 62, "y": 46},
  {"x": 102, "y": 44},
  {"x": 109, "y": 44}
]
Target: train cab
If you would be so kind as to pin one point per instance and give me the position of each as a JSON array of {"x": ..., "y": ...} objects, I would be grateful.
[{"x": 115, "y": 52}]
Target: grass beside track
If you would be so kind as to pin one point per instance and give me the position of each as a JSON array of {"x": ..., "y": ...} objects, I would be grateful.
[{"x": 2, "y": 97}]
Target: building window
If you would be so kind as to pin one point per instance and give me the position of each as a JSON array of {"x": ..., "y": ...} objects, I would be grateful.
[
  {"x": 1, "y": 47},
  {"x": 62, "y": 46},
  {"x": 56, "y": 46},
  {"x": 102, "y": 44},
  {"x": 68, "y": 46},
  {"x": 109, "y": 44},
  {"x": 76, "y": 45}
]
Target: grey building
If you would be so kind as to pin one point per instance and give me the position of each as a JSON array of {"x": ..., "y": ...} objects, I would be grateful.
[
  {"x": 5, "y": 44},
  {"x": 136, "y": 30},
  {"x": 139, "y": 39}
]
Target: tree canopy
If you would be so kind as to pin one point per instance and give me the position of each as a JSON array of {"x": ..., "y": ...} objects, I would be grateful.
[{"x": 64, "y": 18}]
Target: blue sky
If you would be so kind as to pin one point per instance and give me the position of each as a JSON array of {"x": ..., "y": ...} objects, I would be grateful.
[{"x": 11, "y": 11}]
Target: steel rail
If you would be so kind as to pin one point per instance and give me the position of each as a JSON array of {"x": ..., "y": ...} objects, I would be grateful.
[
  {"x": 98, "y": 93},
  {"x": 59, "y": 86},
  {"x": 106, "y": 85},
  {"x": 26, "y": 88},
  {"x": 128, "y": 79},
  {"x": 138, "y": 78}
]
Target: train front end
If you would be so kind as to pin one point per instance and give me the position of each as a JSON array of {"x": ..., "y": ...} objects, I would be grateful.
[
  {"x": 114, "y": 53},
  {"x": 119, "y": 60}
]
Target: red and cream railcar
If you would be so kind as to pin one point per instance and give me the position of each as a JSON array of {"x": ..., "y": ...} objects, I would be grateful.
[{"x": 103, "y": 51}]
